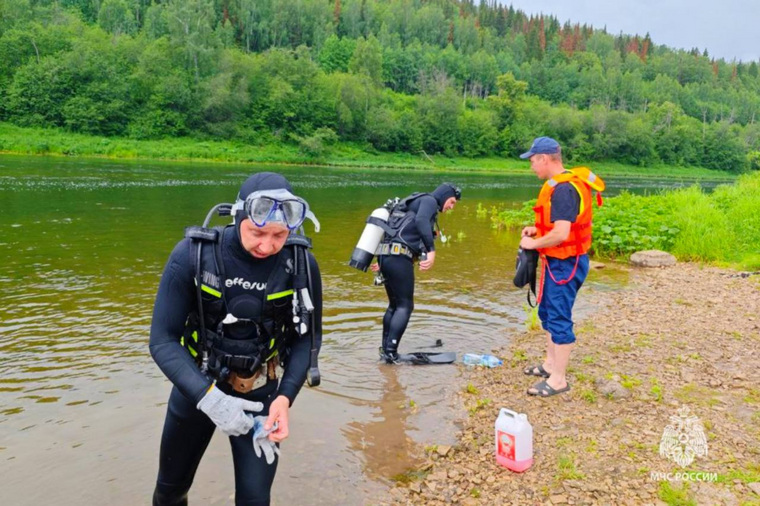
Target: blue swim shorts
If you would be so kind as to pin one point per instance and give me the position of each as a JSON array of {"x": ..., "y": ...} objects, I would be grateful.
[{"x": 556, "y": 308}]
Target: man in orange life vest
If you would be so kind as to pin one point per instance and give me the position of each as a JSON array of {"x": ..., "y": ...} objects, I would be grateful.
[{"x": 562, "y": 236}]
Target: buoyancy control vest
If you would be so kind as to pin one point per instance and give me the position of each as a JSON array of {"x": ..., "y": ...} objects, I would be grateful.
[
  {"x": 400, "y": 217},
  {"x": 287, "y": 311}
]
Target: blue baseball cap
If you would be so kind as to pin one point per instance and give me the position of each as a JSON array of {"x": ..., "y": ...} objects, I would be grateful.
[{"x": 542, "y": 146}]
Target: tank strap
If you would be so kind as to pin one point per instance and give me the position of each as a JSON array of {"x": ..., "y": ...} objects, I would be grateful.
[
  {"x": 380, "y": 223},
  {"x": 201, "y": 233},
  {"x": 298, "y": 240}
]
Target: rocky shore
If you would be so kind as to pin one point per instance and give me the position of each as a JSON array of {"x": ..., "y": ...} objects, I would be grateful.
[{"x": 685, "y": 335}]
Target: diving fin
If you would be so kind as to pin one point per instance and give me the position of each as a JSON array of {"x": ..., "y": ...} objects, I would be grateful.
[
  {"x": 438, "y": 343},
  {"x": 428, "y": 358}
]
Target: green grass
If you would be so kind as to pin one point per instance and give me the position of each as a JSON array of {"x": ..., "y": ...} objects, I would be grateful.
[
  {"x": 566, "y": 468},
  {"x": 54, "y": 141},
  {"x": 696, "y": 394},
  {"x": 630, "y": 382},
  {"x": 753, "y": 397},
  {"x": 519, "y": 356},
  {"x": 656, "y": 390},
  {"x": 750, "y": 474},
  {"x": 675, "y": 496},
  {"x": 532, "y": 322},
  {"x": 480, "y": 404},
  {"x": 410, "y": 476}
]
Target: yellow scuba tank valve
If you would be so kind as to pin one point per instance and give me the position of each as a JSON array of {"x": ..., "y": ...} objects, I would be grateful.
[{"x": 370, "y": 239}]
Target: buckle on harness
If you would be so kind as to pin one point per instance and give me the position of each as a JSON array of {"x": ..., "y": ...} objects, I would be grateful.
[
  {"x": 244, "y": 383},
  {"x": 241, "y": 363}
]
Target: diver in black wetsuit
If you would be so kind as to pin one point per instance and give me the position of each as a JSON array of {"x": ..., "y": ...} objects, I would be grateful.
[
  {"x": 397, "y": 256},
  {"x": 256, "y": 278}
]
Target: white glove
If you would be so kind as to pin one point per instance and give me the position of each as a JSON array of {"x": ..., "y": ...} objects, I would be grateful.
[
  {"x": 228, "y": 412},
  {"x": 260, "y": 440}
]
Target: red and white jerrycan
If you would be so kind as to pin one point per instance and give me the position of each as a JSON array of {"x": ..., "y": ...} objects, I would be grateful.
[{"x": 514, "y": 440}]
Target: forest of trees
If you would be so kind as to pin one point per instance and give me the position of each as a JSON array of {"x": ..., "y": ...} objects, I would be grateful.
[{"x": 439, "y": 76}]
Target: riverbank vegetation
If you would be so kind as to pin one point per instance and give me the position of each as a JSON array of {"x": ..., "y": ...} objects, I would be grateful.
[
  {"x": 60, "y": 142},
  {"x": 722, "y": 226},
  {"x": 303, "y": 80}
]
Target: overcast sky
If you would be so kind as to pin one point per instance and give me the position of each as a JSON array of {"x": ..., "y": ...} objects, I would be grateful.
[{"x": 727, "y": 28}]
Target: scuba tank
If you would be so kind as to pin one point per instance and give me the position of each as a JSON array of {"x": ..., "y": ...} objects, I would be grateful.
[{"x": 370, "y": 239}]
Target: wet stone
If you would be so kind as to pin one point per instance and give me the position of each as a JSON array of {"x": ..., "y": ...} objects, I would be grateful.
[
  {"x": 612, "y": 389},
  {"x": 711, "y": 493},
  {"x": 443, "y": 450},
  {"x": 398, "y": 494},
  {"x": 652, "y": 258}
]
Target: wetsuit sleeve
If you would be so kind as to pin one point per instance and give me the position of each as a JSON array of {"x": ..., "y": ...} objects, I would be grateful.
[
  {"x": 425, "y": 214},
  {"x": 565, "y": 203},
  {"x": 175, "y": 300},
  {"x": 300, "y": 349}
]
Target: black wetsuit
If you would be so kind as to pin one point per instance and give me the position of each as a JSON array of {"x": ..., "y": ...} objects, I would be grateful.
[
  {"x": 398, "y": 270},
  {"x": 187, "y": 430}
]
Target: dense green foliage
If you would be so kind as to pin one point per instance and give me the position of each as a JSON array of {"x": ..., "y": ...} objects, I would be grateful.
[
  {"x": 436, "y": 76},
  {"x": 60, "y": 142},
  {"x": 720, "y": 226}
]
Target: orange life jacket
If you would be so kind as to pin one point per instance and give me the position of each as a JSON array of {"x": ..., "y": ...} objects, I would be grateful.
[{"x": 579, "y": 240}]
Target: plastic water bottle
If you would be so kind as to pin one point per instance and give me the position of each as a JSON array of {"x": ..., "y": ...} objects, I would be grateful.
[
  {"x": 486, "y": 360},
  {"x": 514, "y": 440}
]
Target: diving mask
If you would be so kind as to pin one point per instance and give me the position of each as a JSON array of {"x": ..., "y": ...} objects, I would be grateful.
[{"x": 276, "y": 206}]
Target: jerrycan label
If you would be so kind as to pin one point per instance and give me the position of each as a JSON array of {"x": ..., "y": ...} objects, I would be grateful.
[{"x": 506, "y": 446}]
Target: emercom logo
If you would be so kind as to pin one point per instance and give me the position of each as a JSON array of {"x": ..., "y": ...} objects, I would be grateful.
[{"x": 683, "y": 439}]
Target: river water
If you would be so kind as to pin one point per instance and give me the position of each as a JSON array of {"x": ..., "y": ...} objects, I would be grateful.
[{"x": 83, "y": 244}]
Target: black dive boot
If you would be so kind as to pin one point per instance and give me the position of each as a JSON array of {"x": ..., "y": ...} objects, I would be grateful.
[
  {"x": 390, "y": 357},
  {"x": 387, "y": 356},
  {"x": 389, "y": 353}
]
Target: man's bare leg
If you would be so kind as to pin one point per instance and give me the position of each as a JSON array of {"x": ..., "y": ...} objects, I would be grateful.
[
  {"x": 557, "y": 380},
  {"x": 550, "y": 354}
]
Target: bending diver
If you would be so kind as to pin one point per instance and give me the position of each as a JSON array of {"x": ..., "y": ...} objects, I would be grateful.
[{"x": 408, "y": 233}]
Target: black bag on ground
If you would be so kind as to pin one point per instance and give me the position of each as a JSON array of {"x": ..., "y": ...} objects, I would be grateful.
[{"x": 525, "y": 270}]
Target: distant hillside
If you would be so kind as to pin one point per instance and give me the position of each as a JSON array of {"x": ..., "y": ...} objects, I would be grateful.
[{"x": 438, "y": 76}]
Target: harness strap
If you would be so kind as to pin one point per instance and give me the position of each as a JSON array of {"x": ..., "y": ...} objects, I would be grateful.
[
  {"x": 312, "y": 376},
  {"x": 201, "y": 317},
  {"x": 382, "y": 224},
  {"x": 219, "y": 265},
  {"x": 298, "y": 240}
]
